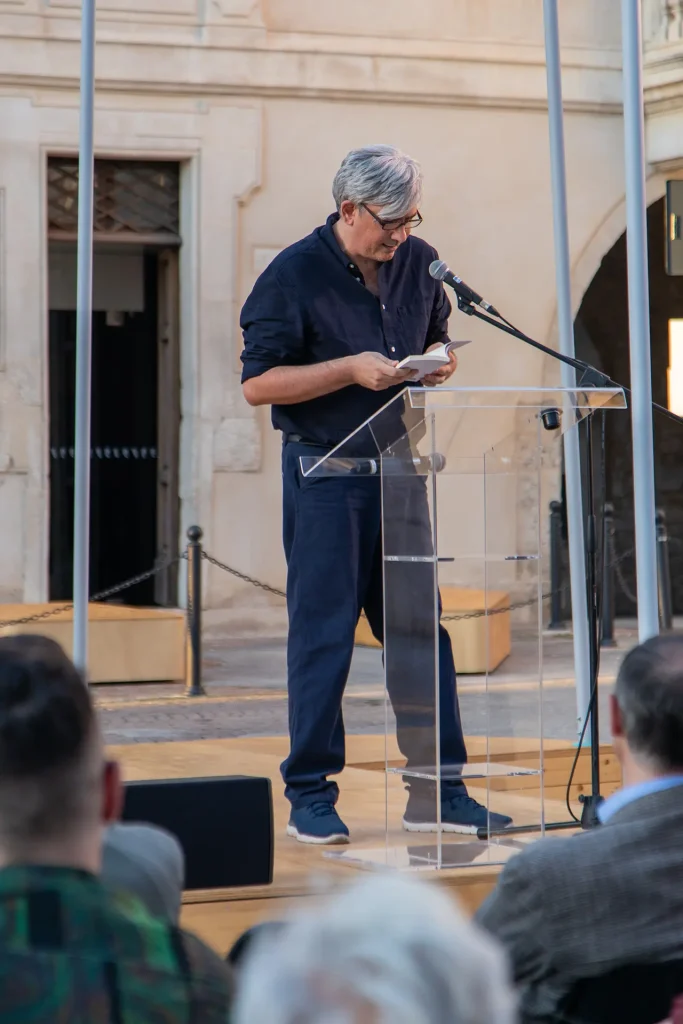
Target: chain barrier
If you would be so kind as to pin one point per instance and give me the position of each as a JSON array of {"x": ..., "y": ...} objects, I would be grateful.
[
  {"x": 515, "y": 606},
  {"x": 445, "y": 618},
  {"x": 242, "y": 576},
  {"x": 101, "y": 596},
  {"x": 618, "y": 572},
  {"x": 133, "y": 581},
  {"x": 459, "y": 617}
]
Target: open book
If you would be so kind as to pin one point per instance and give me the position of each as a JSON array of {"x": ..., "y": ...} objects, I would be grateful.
[{"x": 430, "y": 361}]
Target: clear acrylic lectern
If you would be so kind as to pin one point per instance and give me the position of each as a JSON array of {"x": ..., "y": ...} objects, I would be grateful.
[{"x": 466, "y": 476}]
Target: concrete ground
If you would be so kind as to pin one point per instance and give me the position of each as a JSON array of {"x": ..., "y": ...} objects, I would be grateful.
[{"x": 245, "y": 684}]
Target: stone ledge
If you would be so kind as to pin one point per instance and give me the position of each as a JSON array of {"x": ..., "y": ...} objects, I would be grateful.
[{"x": 189, "y": 69}]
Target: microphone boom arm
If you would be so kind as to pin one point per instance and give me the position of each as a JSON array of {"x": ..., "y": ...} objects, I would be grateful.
[{"x": 590, "y": 376}]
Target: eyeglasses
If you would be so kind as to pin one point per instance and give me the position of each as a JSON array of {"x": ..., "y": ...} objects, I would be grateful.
[{"x": 391, "y": 225}]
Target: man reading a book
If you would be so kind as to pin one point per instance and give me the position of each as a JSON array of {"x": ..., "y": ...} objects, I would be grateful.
[{"x": 325, "y": 328}]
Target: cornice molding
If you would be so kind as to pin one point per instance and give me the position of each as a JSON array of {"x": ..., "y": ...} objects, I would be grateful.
[
  {"x": 124, "y": 87},
  {"x": 256, "y": 74},
  {"x": 662, "y": 99},
  {"x": 247, "y": 62}
]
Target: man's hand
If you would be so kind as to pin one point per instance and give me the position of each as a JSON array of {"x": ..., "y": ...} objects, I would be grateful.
[
  {"x": 442, "y": 374},
  {"x": 374, "y": 371}
]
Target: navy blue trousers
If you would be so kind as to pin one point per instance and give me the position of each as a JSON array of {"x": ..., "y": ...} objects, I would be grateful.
[{"x": 333, "y": 545}]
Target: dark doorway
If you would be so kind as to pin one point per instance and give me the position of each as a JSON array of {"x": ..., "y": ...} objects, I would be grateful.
[
  {"x": 130, "y": 493},
  {"x": 602, "y": 333}
]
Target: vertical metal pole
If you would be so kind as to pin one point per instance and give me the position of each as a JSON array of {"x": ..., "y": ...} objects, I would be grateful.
[
  {"x": 81, "y": 565},
  {"x": 639, "y": 320},
  {"x": 556, "y": 620},
  {"x": 565, "y": 322},
  {"x": 666, "y": 616},
  {"x": 194, "y": 609},
  {"x": 588, "y": 818},
  {"x": 607, "y": 638}
]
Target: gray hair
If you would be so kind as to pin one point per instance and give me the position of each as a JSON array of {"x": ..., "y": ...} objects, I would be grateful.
[
  {"x": 381, "y": 175},
  {"x": 390, "y": 950},
  {"x": 649, "y": 692}
]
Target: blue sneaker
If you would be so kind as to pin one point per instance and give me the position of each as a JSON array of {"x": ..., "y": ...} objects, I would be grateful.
[
  {"x": 459, "y": 813},
  {"x": 317, "y": 823}
]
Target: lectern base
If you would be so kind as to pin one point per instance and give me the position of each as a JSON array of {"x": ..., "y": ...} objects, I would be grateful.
[{"x": 428, "y": 856}]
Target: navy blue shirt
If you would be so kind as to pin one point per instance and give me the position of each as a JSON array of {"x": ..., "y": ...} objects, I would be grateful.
[{"x": 311, "y": 305}]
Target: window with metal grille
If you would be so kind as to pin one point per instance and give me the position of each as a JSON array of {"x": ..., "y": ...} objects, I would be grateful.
[{"x": 134, "y": 200}]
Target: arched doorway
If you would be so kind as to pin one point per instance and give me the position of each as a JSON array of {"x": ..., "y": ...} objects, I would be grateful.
[{"x": 601, "y": 333}]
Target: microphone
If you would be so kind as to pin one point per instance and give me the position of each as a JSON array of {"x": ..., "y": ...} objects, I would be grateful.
[
  {"x": 395, "y": 466},
  {"x": 440, "y": 272}
]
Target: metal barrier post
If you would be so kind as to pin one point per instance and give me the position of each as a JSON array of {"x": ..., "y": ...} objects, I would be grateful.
[
  {"x": 194, "y": 610},
  {"x": 663, "y": 572},
  {"x": 556, "y": 620},
  {"x": 607, "y": 635}
]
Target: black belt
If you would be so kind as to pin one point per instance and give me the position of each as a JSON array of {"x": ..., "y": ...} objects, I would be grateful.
[{"x": 298, "y": 439}]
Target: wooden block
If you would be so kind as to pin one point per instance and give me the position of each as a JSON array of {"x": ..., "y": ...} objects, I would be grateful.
[
  {"x": 479, "y": 645},
  {"x": 364, "y": 637},
  {"x": 125, "y": 644}
]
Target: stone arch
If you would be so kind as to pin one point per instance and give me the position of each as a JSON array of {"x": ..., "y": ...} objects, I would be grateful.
[{"x": 587, "y": 263}]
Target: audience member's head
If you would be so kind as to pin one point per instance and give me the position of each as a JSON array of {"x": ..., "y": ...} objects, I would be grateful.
[
  {"x": 56, "y": 792},
  {"x": 388, "y": 950},
  {"x": 647, "y": 709}
]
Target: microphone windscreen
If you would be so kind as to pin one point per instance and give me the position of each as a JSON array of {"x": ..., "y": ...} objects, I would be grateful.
[{"x": 438, "y": 270}]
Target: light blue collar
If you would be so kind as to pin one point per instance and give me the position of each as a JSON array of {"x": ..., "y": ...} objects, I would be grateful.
[{"x": 623, "y": 797}]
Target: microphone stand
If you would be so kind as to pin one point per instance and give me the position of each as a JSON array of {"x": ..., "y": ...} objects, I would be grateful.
[{"x": 593, "y": 378}]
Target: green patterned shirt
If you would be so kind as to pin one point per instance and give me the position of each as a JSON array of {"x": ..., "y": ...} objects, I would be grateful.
[{"x": 71, "y": 953}]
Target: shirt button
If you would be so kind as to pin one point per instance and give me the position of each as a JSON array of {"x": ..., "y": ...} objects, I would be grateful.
[
  {"x": 393, "y": 349},
  {"x": 384, "y": 307},
  {"x": 352, "y": 266}
]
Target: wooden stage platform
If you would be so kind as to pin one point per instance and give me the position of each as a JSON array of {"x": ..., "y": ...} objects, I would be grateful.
[{"x": 302, "y": 874}]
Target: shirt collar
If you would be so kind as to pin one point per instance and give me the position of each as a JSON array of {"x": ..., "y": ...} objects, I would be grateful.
[
  {"x": 329, "y": 237},
  {"x": 623, "y": 797}
]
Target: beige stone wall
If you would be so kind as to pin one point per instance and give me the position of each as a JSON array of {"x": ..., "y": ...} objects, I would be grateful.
[
  {"x": 261, "y": 100},
  {"x": 510, "y": 22}
]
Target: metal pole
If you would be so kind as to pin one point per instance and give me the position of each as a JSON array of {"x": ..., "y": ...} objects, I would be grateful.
[
  {"x": 639, "y": 320},
  {"x": 194, "y": 609},
  {"x": 81, "y": 564},
  {"x": 556, "y": 619},
  {"x": 666, "y": 616},
  {"x": 607, "y": 638},
  {"x": 565, "y": 322}
]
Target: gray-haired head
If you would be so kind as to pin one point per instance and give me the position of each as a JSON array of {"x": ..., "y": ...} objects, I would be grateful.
[
  {"x": 649, "y": 692},
  {"x": 381, "y": 176},
  {"x": 388, "y": 950}
]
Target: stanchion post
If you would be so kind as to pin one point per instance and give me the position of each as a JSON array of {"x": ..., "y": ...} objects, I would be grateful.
[
  {"x": 607, "y": 637},
  {"x": 556, "y": 620},
  {"x": 663, "y": 572},
  {"x": 194, "y": 610}
]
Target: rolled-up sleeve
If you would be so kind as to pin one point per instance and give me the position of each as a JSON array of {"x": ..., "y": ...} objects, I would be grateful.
[
  {"x": 437, "y": 332},
  {"x": 273, "y": 327}
]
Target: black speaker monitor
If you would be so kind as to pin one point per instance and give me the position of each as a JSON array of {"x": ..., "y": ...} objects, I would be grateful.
[{"x": 224, "y": 825}]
